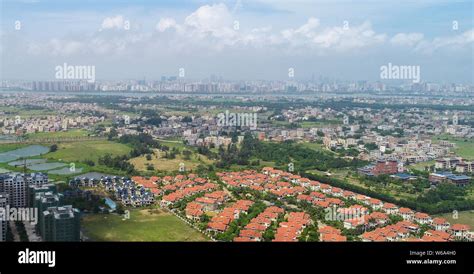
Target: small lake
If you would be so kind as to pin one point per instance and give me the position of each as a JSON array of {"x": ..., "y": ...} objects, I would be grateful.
[
  {"x": 64, "y": 171},
  {"x": 46, "y": 166},
  {"x": 28, "y": 151},
  {"x": 28, "y": 162}
]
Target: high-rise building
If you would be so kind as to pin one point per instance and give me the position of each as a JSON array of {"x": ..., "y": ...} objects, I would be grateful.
[
  {"x": 16, "y": 186},
  {"x": 3, "y": 221},
  {"x": 60, "y": 223},
  {"x": 43, "y": 201},
  {"x": 33, "y": 190}
]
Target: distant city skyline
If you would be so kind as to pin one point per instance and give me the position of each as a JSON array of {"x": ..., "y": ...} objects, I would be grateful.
[{"x": 238, "y": 40}]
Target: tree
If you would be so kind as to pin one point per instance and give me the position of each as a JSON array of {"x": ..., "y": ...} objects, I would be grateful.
[
  {"x": 53, "y": 148},
  {"x": 187, "y": 154}
]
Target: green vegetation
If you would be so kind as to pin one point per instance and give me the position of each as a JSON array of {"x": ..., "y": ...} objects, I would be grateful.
[
  {"x": 464, "y": 146},
  {"x": 445, "y": 198},
  {"x": 59, "y": 134},
  {"x": 462, "y": 217},
  {"x": 282, "y": 154},
  {"x": 144, "y": 225},
  {"x": 87, "y": 150}
]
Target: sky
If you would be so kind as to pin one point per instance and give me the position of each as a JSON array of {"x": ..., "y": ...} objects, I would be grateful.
[{"x": 238, "y": 40}]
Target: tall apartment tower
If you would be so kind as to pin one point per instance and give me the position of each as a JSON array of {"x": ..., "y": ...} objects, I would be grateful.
[
  {"x": 33, "y": 190},
  {"x": 60, "y": 224},
  {"x": 43, "y": 201},
  {"x": 3, "y": 222},
  {"x": 16, "y": 185}
]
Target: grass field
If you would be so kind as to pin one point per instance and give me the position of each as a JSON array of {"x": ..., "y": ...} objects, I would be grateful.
[
  {"x": 143, "y": 225},
  {"x": 80, "y": 151},
  {"x": 25, "y": 112},
  {"x": 163, "y": 164},
  {"x": 464, "y": 146},
  {"x": 342, "y": 174},
  {"x": 421, "y": 165},
  {"x": 59, "y": 134},
  {"x": 171, "y": 143},
  {"x": 464, "y": 217},
  {"x": 315, "y": 146}
]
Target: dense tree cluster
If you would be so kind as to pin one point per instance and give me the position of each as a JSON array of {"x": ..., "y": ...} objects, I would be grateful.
[{"x": 282, "y": 154}]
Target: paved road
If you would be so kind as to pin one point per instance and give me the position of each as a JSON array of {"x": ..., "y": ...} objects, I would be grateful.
[
  {"x": 16, "y": 236},
  {"x": 30, "y": 231}
]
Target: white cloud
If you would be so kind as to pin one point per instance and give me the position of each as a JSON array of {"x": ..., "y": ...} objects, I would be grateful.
[
  {"x": 306, "y": 30},
  {"x": 116, "y": 22},
  {"x": 407, "y": 39},
  {"x": 166, "y": 23},
  {"x": 456, "y": 42},
  {"x": 214, "y": 21},
  {"x": 337, "y": 38},
  {"x": 210, "y": 27},
  {"x": 209, "y": 18}
]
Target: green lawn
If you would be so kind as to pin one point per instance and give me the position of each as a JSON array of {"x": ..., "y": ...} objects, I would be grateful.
[
  {"x": 464, "y": 217},
  {"x": 421, "y": 165},
  {"x": 464, "y": 147},
  {"x": 80, "y": 151},
  {"x": 315, "y": 146},
  {"x": 159, "y": 162},
  {"x": 342, "y": 173},
  {"x": 59, "y": 134},
  {"x": 26, "y": 112},
  {"x": 157, "y": 226},
  {"x": 171, "y": 143}
]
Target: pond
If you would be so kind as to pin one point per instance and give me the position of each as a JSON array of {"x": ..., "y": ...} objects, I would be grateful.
[
  {"x": 28, "y": 162},
  {"x": 64, "y": 171},
  {"x": 28, "y": 151},
  {"x": 46, "y": 166}
]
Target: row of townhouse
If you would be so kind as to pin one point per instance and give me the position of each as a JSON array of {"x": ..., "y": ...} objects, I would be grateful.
[
  {"x": 325, "y": 196},
  {"x": 290, "y": 230},
  {"x": 221, "y": 221},
  {"x": 194, "y": 211},
  {"x": 396, "y": 232},
  {"x": 184, "y": 191},
  {"x": 209, "y": 202},
  {"x": 319, "y": 198},
  {"x": 212, "y": 201},
  {"x": 331, "y": 234},
  {"x": 254, "y": 230}
]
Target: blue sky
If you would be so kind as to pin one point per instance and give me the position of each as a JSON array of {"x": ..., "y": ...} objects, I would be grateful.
[{"x": 333, "y": 38}]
